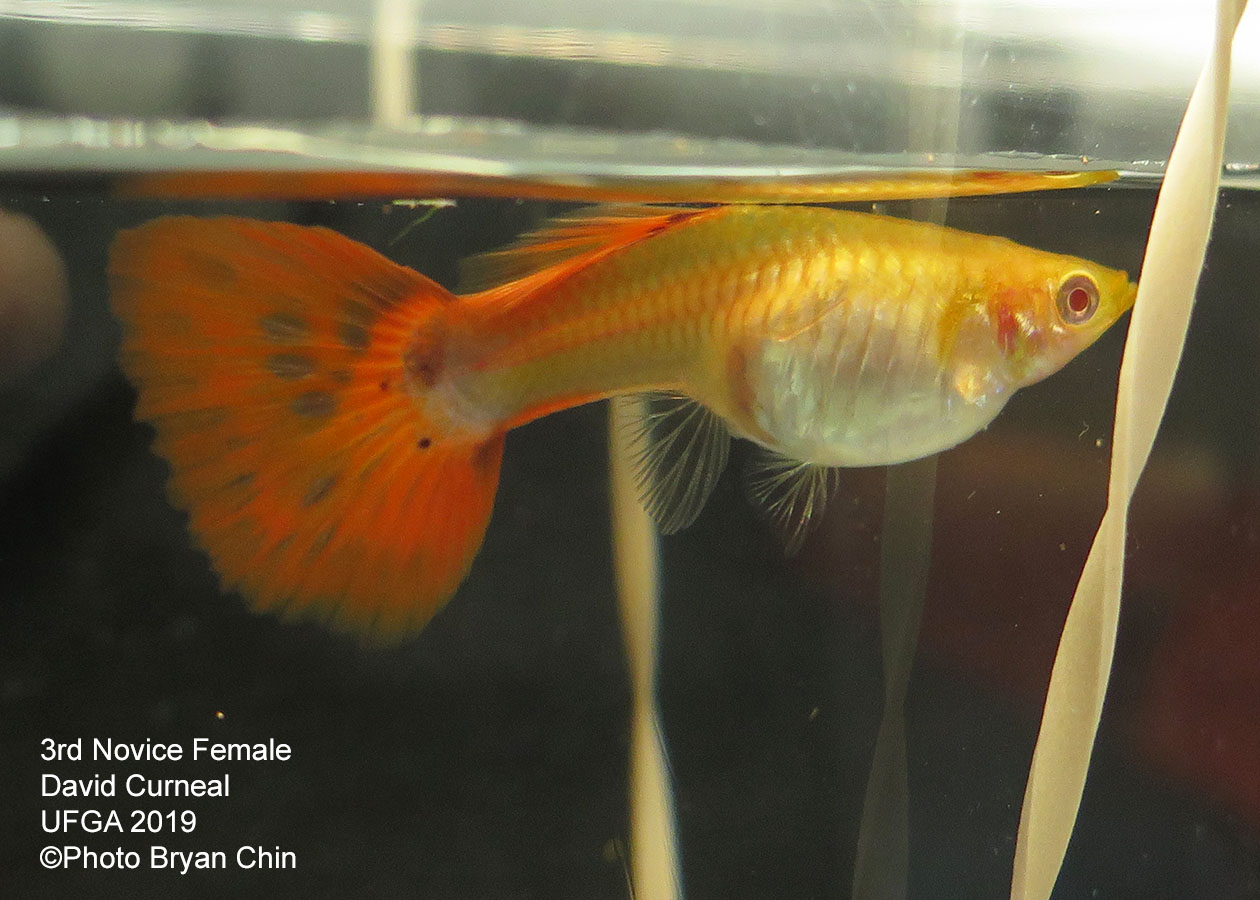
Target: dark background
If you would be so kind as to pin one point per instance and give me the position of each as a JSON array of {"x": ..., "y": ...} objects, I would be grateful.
[{"x": 486, "y": 759}]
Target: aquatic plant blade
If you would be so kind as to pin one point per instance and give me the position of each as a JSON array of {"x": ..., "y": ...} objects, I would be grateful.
[
  {"x": 653, "y": 869},
  {"x": 1069, "y": 723},
  {"x": 1170, "y": 272},
  {"x": 881, "y": 866}
]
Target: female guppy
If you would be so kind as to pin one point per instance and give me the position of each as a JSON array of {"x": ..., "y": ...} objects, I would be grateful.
[{"x": 334, "y": 421}]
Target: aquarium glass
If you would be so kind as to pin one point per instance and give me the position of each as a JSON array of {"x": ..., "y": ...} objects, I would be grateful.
[{"x": 489, "y": 756}]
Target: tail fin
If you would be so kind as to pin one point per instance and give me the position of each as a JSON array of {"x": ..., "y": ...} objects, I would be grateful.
[{"x": 269, "y": 357}]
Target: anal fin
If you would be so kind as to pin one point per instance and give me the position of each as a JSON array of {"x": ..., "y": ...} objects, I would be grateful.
[{"x": 790, "y": 493}]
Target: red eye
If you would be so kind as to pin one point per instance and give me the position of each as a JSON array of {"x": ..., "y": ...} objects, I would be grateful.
[{"x": 1078, "y": 299}]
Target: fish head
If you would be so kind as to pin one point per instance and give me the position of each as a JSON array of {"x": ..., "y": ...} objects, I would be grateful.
[{"x": 1059, "y": 306}]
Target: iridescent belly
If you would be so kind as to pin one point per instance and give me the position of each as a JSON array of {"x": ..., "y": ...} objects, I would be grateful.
[{"x": 869, "y": 384}]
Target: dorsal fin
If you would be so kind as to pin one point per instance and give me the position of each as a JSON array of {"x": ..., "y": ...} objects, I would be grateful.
[
  {"x": 680, "y": 450},
  {"x": 608, "y": 226},
  {"x": 791, "y": 494}
]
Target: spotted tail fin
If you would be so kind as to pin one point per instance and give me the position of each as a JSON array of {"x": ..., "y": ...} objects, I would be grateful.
[{"x": 270, "y": 360}]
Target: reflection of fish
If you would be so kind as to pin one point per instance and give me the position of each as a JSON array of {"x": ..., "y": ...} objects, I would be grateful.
[
  {"x": 854, "y": 185},
  {"x": 335, "y": 422}
]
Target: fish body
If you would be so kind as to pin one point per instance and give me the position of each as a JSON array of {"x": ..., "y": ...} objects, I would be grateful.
[
  {"x": 335, "y": 422},
  {"x": 836, "y": 338}
]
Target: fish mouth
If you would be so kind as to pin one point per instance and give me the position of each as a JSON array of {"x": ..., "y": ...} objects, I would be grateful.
[{"x": 1127, "y": 294}]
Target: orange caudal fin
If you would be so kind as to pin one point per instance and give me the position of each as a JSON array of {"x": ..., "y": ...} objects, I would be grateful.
[{"x": 270, "y": 360}]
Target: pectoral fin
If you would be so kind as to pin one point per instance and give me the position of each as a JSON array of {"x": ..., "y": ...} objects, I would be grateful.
[{"x": 680, "y": 449}]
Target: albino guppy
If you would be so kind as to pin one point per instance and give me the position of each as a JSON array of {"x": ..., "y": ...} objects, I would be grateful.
[{"x": 335, "y": 422}]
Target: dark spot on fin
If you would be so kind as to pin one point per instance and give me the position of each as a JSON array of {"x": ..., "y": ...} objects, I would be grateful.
[
  {"x": 423, "y": 361},
  {"x": 358, "y": 313},
  {"x": 239, "y": 492},
  {"x": 321, "y": 541},
  {"x": 245, "y": 479},
  {"x": 315, "y": 405},
  {"x": 319, "y": 489},
  {"x": 354, "y": 337},
  {"x": 290, "y": 366},
  {"x": 212, "y": 270},
  {"x": 285, "y": 329}
]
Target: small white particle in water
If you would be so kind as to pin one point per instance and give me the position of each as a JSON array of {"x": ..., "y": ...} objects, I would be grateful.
[
  {"x": 813, "y": 714},
  {"x": 1098, "y": 442},
  {"x": 972, "y": 494},
  {"x": 1063, "y": 546}
]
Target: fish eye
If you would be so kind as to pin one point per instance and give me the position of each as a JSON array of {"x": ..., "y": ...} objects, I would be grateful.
[{"x": 1078, "y": 299}]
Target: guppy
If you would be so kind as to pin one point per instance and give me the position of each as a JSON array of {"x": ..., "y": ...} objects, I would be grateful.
[{"x": 335, "y": 422}]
